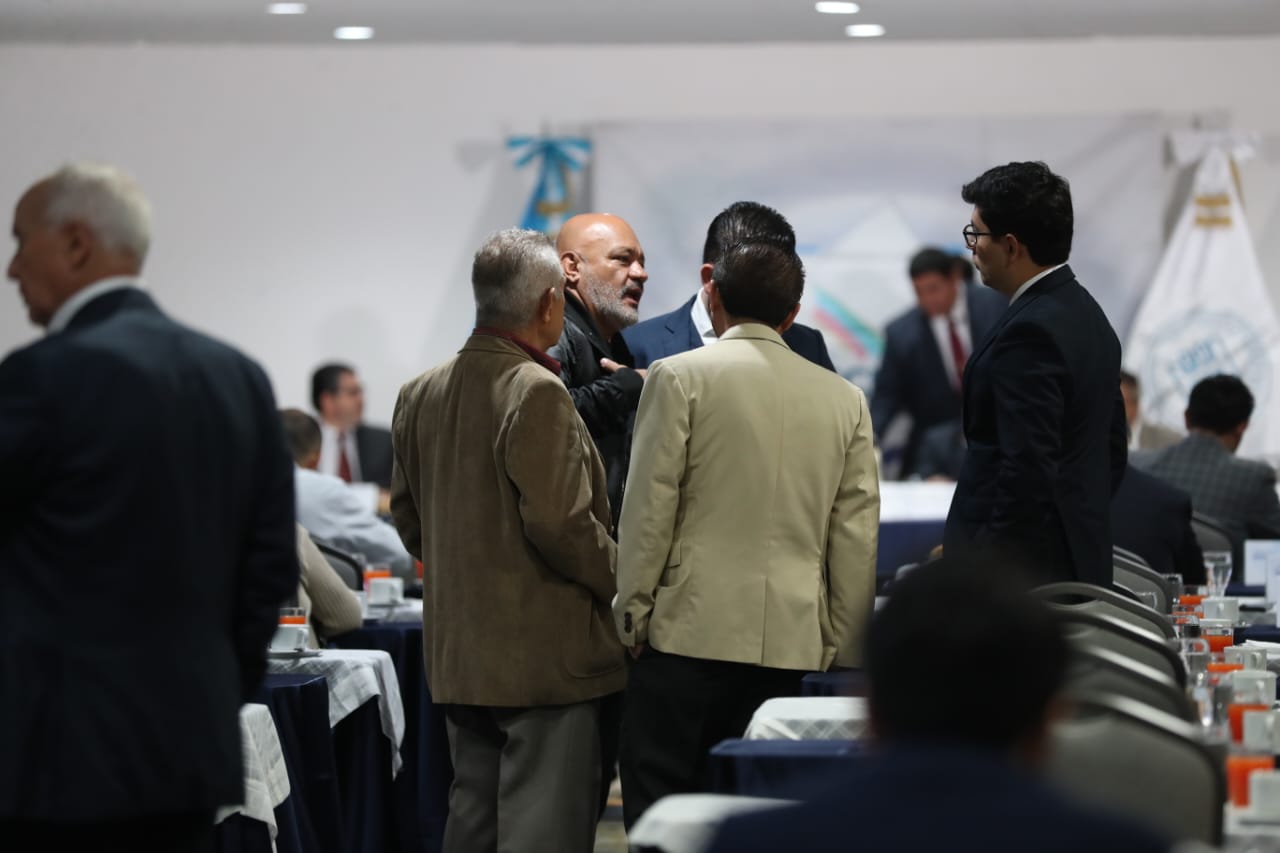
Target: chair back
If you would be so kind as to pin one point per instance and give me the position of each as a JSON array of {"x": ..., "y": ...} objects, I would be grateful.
[
  {"x": 1106, "y": 632},
  {"x": 1126, "y": 756},
  {"x": 1095, "y": 599},
  {"x": 1096, "y": 670},
  {"x": 345, "y": 564},
  {"x": 1140, "y": 578}
]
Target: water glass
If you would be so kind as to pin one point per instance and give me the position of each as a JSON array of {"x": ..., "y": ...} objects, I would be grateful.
[{"x": 1217, "y": 570}]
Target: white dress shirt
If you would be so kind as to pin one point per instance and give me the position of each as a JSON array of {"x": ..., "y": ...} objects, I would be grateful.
[
  {"x": 329, "y": 452},
  {"x": 938, "y": 324},
  {"x": 1026, "y": 285},
  {"x": 336, "y": 513},
  {"x": 68, "y": 310},
  {"x": 702, "y": 320}
]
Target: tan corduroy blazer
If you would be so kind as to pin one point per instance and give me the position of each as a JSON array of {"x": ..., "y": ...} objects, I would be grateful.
[
  {"x": 332, "y": 607},
  {"x": 749, "y": 526},
  {"x": 498, "y": 489}
]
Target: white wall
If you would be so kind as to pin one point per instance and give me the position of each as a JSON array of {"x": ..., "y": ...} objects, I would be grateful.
[{"x": 324, "y": 202}]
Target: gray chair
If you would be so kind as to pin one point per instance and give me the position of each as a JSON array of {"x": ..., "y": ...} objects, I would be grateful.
[
  {"x": 1141, "y": 578},
  {"x": 346, "y": 565},
  {"x": 1095, "y": 599},
  {"x": 1109, "y": 633},
  {"x": 1096, "y": 670},
  {"x": 1131, "y": 556},
  {"x": 1123, "y": 755}
]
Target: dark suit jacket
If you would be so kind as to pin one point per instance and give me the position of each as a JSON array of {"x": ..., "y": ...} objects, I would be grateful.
[
  {"x": 374, "y": 446},
  {"x": 146, "y": 543},
  {"x": 1153, "y": 520},
  {"x": 930, "y": 798},
  {"x": 606, "y": 402},
  {"x": 1240, "y": 494},
  {"x": 912, "y": 377},
  {"x": 1045, "y": 425},
  {"x": 673, "y": 332}
]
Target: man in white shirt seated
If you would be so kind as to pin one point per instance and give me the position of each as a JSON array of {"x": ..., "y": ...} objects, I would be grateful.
[{"x": 332, "y": 511}]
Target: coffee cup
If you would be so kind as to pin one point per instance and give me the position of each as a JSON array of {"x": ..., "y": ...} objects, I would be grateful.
[
  {"x": 289, "y": 638},
  {"x": 1264, "y": 793},
  {"x": 1221, "y": 608}
]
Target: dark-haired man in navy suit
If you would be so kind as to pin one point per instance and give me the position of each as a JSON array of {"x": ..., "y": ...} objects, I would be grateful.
[
  {"x": 925, "y": 350},
  {"x": 146, "y": 541},
  {"x": 689, "y": 326},
  {"x": 1043, "y": 416}
]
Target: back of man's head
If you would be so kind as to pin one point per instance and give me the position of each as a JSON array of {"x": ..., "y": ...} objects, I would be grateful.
[
  {"x": 1030, "y": 202},
  {"x": 302, "y": 434},
  {"x": 759, "y": 282},
  {"x": 747, "y": 222},
  {"x": 106, "y": 201},
  {"x": 509, "y": 275},
  {"x": 1219, "y": 404},
  {"x": 961, "y": 654}
]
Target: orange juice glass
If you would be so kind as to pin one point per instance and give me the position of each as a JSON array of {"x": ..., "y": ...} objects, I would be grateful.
[
  {"x": 1238, "y": 769},
  {"x": 293, "y": 616}
]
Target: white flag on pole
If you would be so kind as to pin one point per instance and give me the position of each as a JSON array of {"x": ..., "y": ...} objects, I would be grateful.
[{"x": 1207, "y": 311}]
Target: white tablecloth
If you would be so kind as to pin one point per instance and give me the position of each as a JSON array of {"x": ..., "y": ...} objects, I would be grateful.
[
  {"x": 685, "y": 823},
  {"x": 355, "y": 676},
  {"x": 266, "y": 780},
  {"x": 809, "y": 718},
  {"x": 409, "y": 610}
]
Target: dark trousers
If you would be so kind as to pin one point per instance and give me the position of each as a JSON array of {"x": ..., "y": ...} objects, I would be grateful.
[
  {"x": 166, "y": 833},
  {"x": 676, "y": 709}
]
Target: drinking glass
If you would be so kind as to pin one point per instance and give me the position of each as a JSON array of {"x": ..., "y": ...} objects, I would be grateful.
[{"x": 1217, "y": 571}]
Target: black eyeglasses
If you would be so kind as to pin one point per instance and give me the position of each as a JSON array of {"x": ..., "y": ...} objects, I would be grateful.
[{"x": 972, "y": 234}]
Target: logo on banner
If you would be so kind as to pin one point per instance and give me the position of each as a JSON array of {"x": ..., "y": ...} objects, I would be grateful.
[
  {"x": 557, "y": 159},
  {"x": 1197, "y": 344}
]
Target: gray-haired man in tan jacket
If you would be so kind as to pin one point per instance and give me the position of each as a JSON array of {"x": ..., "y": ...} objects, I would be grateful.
[{"x": 498, "y": 489}]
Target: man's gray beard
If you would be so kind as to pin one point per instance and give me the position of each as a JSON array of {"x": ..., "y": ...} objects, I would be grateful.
[{"x": 608, "y": 302}]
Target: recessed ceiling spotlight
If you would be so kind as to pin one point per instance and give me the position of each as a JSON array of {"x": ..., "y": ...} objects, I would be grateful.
[
  {"x": 287, "y": 9},
  {"x": 831, "y": 7},
  {"x": 864, "y": 31},
  {"x": 353, "y": 33}
]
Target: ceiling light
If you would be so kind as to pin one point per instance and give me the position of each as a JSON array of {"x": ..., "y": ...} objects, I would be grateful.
[
  {"x": 353, "y": 33},
  {"x": 831, "y": 7},
  {"x": 287, "y": 9},
  {"x": 864, "y": 31}
]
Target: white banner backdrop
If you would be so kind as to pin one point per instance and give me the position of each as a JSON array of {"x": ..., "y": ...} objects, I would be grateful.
[
  {"x": 863, "y": 195},
  {"x": 1208, "y": 311}
]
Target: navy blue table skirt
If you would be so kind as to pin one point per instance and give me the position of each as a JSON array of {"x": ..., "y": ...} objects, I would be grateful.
[
  {"x": 848, "y": 682},
  {"x": 310, "y": 818},
  {"x": 787, "y": 769},
  {"x": 421, "y": 791},
  {"x": 903, "y": 542}
]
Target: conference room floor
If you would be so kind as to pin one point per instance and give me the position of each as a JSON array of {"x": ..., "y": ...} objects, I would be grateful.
[{"x": 610, "y": 836}]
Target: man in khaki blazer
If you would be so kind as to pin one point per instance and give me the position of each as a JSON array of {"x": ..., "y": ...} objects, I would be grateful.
[
  {"x": 498, "y": 489},
  {"x": 747, "y": 542}
]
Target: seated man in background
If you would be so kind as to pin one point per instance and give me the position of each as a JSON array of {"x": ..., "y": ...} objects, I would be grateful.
[
  {"x": 1239, "y": 494},
  {"x": 350, "y": 449},
  {"x": 1153, "y": 520},
  {"x": 331, "y": 511},
  {"x": 332, "y": 607},
  {"x": 956, "y": 748}
]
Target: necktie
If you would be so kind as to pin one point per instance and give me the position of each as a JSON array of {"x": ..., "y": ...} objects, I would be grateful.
[
  {"x": 958, "y": 354},
  {"x": 344, "y": 464}
]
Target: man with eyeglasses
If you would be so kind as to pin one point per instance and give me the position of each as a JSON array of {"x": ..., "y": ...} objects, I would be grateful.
[{"x": 1043, "y": 416}]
